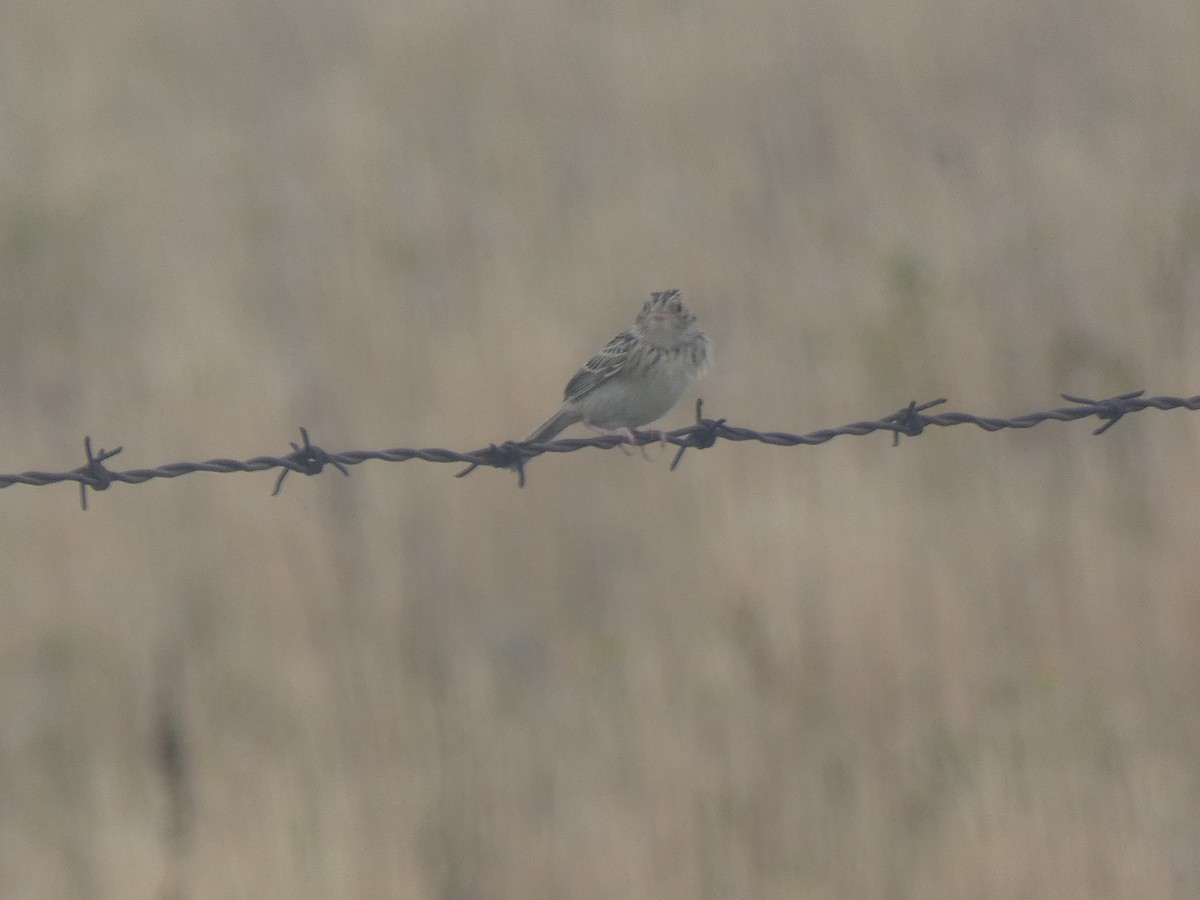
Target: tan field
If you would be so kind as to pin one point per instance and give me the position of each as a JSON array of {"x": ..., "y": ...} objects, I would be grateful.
[{"x": 968, "y": 667}]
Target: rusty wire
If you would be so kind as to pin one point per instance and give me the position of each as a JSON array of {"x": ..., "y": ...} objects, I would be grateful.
[{"x": 307, "y": 458}]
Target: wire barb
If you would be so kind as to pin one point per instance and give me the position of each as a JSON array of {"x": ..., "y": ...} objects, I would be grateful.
[
  {"x": 98, "y": 477},
  {"x": 509, "y": 455},
  {"x": 1110, "y": 409},
  {"x": 307, "y": 460},
  {"x": 910, "y": 421},
  {"x": 704, "y": 434}
]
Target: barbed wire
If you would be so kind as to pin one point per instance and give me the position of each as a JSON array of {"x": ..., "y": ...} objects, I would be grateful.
[{"x": 307, "y": 458}]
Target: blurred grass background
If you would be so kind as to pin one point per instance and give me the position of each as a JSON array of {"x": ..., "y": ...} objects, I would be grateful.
[{"x": 964, "y": 668}]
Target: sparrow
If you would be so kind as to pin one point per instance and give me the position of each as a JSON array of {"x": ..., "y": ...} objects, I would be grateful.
[{"x": 639, "y": 375}]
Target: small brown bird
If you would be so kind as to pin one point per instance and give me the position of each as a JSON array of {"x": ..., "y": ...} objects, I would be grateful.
[{"x": 639, "y": 375}]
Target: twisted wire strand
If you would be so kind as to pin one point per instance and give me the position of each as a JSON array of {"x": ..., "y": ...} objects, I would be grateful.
[{"x": 307, "y": 458}]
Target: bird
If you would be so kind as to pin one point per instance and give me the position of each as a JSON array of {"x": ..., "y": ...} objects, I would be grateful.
[{"x": 639, "y": 375}]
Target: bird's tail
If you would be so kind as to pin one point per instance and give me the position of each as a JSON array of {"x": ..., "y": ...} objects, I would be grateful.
[{"x": 564, "y": 418}]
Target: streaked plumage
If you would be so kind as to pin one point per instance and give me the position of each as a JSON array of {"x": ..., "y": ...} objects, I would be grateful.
[{"x": 639, "y": 375}]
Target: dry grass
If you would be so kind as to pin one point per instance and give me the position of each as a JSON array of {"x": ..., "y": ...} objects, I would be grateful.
[{"x": 966, "y": 668}]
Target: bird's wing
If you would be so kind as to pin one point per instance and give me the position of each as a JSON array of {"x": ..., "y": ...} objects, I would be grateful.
[{"x": 601, "y": 367}]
